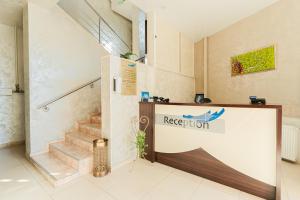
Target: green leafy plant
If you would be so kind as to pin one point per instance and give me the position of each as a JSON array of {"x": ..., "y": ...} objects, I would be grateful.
[
  {"x": 129, "y": 56},
  {"x": 139, "y": 127},
  {"x": 140, "y": 143}
]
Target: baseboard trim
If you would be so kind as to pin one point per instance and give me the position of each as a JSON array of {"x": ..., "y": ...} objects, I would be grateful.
[
  {"x": 11, "y": 144},
  {"x": 130, "y": 160}
]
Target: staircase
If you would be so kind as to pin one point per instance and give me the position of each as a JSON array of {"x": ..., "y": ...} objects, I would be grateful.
[
  {"x": 72, "y": 157},
  {"x": 89, "y": 15}
]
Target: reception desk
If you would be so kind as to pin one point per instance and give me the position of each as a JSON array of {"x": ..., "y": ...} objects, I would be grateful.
[{"x": 235, "y": 145}]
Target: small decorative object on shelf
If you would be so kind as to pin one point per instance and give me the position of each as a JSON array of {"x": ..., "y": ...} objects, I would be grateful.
[
  {"x": 145, "y": 96},
  {"x": 199, "y": 98},
  {"x": 257, "y": 101},
  {"x": 157, "y": 99},
  {"x": 100, "y": 164}
]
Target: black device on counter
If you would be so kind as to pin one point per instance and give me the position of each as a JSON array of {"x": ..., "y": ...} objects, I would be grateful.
[
  {"x": 157, "y": 99},
  {"x": 199, "y": 98},
  {"x": 257, "y": 101}
]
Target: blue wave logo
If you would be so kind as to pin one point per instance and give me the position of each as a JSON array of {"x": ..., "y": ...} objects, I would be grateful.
[{"x": 206, "y": 117}]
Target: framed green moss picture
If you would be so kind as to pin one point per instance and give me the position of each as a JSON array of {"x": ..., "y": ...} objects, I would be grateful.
[{"x": 253, "y": 61}]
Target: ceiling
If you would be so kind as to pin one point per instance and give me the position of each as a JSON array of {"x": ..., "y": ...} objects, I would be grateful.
[
  {"x": 11, "y": 12},
  {"x": 126, "y": 8},
  {"x": 200, "y": 18}
]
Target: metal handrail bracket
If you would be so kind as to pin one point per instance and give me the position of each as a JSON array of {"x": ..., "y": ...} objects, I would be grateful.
[{"x": 45, "y": 106}]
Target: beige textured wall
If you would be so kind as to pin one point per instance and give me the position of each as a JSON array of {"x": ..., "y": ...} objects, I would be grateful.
[
  {"x": 11, "y": 106},
  {"x": 278, "y": 24},
  {"x": 199, "y": 66},
  {"x": 176, "y": 87}
]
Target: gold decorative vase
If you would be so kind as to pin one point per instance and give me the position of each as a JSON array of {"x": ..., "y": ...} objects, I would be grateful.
[{"x": 100, "y": 163}]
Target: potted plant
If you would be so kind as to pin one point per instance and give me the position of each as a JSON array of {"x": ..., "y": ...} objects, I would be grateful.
[
  {"x": 129, "y": 56},
  {"x": 140, "y": 144},
  {"x": 140, "y": 136}
]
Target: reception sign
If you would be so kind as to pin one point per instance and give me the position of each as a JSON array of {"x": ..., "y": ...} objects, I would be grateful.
[{"x": 208, "y": 121}]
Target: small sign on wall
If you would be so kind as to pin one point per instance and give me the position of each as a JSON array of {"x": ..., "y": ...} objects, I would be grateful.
[{"x": 128, "y": 75}]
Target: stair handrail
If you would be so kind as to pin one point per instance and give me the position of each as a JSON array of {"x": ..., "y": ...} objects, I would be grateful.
[
  {"x": 105, "y": 22},
  {"x": 45, "y": 106},
  {"x": 140, "y": 59}
]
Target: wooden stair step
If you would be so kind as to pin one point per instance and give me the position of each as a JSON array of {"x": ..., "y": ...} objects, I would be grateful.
[
  {"x": 82, "y": 140},
  {"x": 71, "y": 150},
  {"x": 91, "y": 128},
  {"x": 72, "y": 155},
  {"x": 54, "y": 169},
  {"x": 95, "y": 114},
  {"x": 96, "y": 119}
]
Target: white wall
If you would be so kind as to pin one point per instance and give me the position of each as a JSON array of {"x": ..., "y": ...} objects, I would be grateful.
[
  {"x": 119, "y": 110},
  {"x": 59, "y": 56},
  {"x": 11, "y": 106},
  {"x": 159, "y": 80},
  {"x": 173, "y": 75}
]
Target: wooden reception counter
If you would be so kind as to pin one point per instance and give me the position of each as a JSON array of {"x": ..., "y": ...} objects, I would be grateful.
[{"x": 235, "y": 145}]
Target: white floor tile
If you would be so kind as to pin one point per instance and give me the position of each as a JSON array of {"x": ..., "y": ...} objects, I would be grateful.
[
  {"x": 209, "y": 192},
  {"x": 15, "y": 179},
  {"x": 221, "y": 188},
  {"x": 246, "y": 196},
  {"x": 9, "y": 160},
  {"x": 18, "y": 183},
  {"x": 29, "y": 193},
  {"x": 81, "y": 190},
  {"x": 140, "y": 180},
  {"x": 189, "y": 176},
  {"x": 175, "y": 187},
  {"x": 133, "y": 181},
  {"x": 291, "y": 181}
]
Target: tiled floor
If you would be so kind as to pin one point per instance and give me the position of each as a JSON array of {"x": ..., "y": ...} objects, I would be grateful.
[
  {"x": 290, "y": 181},
  {"x": 140, "y": 180}
]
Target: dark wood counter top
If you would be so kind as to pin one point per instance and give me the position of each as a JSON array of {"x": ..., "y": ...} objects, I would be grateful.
[{"x": 217, "y": 105}]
